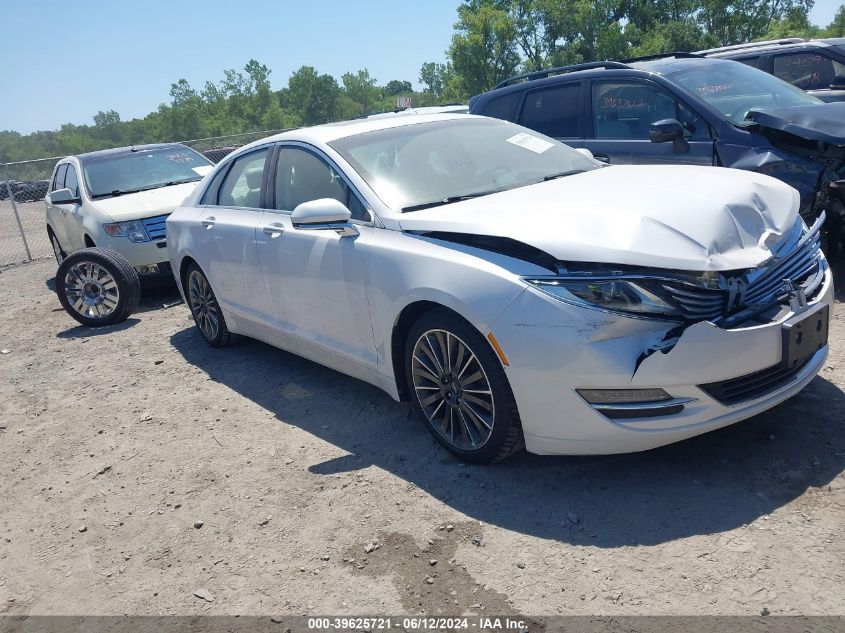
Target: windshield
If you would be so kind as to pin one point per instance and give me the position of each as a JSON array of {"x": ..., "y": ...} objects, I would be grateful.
[
  {"x": 428, "y": 164},
  {"x": 112, "y": 175},
  {"x": 734, "y": 88}
]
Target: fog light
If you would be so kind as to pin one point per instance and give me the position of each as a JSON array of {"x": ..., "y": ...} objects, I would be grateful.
[{"x": 622, "y": 396}]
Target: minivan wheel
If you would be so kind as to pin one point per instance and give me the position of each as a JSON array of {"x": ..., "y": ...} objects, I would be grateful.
[
  {"x": 205, "y": 309},
  {"x": 458, "y": 386},
  {"x": 97, "y": 286}
]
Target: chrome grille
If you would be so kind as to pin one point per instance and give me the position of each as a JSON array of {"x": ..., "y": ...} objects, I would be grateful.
[
  {"x": 798, "y": 258},
  {"x": 155, "y": 227}
]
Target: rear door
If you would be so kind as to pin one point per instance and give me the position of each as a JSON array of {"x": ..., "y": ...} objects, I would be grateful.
[
  {"x": 224, "y": 233},
  {"x": 621, "y": 111},
  {"x": 555, "y": 111}
]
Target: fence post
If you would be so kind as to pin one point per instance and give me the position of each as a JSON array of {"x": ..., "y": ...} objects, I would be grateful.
[{"x": 18, "y": 218}]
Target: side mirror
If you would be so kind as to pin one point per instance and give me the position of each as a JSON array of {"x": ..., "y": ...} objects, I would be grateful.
[
  {"x": 63, "y": 196},
  {"x": 669, "y": 130},
  {"x": 585, "y": 152},
  {"x": 323, "y": 214},
  {"x": 838, "y": 83}
]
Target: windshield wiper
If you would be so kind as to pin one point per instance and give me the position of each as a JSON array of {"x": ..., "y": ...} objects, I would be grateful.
[
  {"x": 116, "y": 192},
  {"x": 449, "y": 200},
  {"x": 563, "y": 174}
]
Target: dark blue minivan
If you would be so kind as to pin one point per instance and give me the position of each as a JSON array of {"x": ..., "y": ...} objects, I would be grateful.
[{"x": 684, "y": 108}]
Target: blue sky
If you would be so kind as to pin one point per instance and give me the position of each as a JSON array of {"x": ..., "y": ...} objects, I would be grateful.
[{"x": 62, "y": 61}]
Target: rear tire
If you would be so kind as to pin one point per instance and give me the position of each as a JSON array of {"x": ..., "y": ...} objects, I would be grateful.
[
  {"x": 458, "y": 386},
  {"x": 204, "y": 308},
  {"x": 97, "y": 287}
]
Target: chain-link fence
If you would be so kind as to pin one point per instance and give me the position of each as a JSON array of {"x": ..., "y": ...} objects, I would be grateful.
[{"x": 24, "y": 185}]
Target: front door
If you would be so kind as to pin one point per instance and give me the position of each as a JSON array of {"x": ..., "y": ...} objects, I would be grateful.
[
  {"x": 316, "y": 278},
  {"x": 621, "y": 113}
]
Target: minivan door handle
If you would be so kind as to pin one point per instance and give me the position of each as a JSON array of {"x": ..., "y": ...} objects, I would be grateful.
[
  {"x": 208, "y": 223},
  {"x": 274, "y": 230}
]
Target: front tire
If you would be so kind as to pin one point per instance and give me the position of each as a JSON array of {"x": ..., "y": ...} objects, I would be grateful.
[
  {"x": 205, "y": 309},
  {"x": 97, "y": 287},
  {"x": 458, "y": 386}
]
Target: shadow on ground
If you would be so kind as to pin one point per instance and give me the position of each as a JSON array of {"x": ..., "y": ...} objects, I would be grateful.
[{"x": 708, "y": 484}]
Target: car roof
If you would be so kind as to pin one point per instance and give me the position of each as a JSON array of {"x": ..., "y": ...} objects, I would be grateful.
[
  {"x": 120, "y": 151},
  {"x": 788, "y": 44},
  {"x": 636, "y": 67},
  {"x": 328, "y": 132}
]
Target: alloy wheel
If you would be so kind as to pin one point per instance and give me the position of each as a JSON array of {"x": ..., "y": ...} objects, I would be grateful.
[
  {"x": 453, "y": 390},
  {"x": 91, "y": 290},
  {"x": 203, "y": 305}
]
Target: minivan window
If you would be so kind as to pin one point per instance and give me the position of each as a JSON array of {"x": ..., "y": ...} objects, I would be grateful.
[
  {"x": 626, "y": 110},
  {"x": 553, "y": 111},
  {"x": 502, "y": 107},
  {"x": 734, "y": 89},
  {"x": 808, "y": 71}
]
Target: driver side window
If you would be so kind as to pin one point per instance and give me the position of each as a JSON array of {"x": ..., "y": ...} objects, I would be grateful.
[
  {"x": 301, "y": 177},
  {"x": 625, "y": 110}
]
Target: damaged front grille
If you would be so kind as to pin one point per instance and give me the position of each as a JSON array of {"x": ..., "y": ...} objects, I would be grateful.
[{"x": 743, "y": 295}]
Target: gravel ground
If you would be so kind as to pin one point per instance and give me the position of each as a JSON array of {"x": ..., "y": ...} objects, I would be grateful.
[{"x": 145, "y": 473}]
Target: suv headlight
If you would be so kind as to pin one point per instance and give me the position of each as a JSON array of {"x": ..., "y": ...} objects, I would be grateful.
[
  {"x": 133, "y": 230},
  {"x": 628, "y": 296}
]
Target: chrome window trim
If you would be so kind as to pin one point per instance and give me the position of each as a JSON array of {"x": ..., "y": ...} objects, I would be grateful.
[{"x": 226, "y": 164}]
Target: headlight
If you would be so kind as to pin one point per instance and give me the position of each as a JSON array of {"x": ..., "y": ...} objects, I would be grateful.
[
  {"x": 133, "y": 229},
  {"x": 628, "y": 296}
]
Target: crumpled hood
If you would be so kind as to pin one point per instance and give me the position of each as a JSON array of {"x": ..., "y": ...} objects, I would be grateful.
[
  {"x": 822, "y": 122},
  {"x": 145, "y": 204},
  {"x": 673, "y": 217}
]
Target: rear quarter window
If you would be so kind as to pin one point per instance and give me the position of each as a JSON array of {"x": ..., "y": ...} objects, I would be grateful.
[
  {"x": 553, "y": 111},
  {"x": 503, "y": 107}
]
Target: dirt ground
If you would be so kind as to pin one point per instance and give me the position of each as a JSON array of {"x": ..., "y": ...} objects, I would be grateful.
[{"x": 142, "y": 472}]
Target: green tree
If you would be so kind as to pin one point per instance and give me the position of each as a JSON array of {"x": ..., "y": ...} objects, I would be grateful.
[
  {"x": 395, "y": 87},
  {"x": 435, "y": 77},
  {"x": 483, "y": 50},
  {"x": 313, "y": 97},
  {"x": 837, "y": 27}
]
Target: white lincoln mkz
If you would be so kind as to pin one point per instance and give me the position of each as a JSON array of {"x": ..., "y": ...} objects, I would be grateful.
[{"x": 513, "y": 289}]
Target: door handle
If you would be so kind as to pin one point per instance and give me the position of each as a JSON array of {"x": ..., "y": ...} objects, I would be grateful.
[
  {"x": 274, "y": 230},
  {"x": 208, "y": 223}
]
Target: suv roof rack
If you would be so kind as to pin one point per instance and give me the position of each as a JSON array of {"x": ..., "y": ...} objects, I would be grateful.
[
  {"x": 558, "y": 70},
  {"x": 784, "y": 41},
  {"x": 646, "y": 58}
]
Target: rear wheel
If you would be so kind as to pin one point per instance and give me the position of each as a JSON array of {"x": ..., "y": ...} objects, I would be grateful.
[
  {"x": 97, "y": 286},
  {"x": 205, "y": 309},
  {"x": 459, "y": 388}
]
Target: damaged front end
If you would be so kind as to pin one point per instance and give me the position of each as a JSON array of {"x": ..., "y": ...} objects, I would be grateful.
[
  {"x": 724, "y": 300},
  {"x": 808, "y": 152}
]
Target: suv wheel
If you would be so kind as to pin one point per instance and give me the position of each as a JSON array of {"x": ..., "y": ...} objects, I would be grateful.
[{"x": 97, "y": 286}]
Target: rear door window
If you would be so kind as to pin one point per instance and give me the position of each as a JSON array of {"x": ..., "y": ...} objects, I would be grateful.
[
  {"x": 553, "y": 111},
  {"x": 242, "y": 185},
  {"x": 503, "y": 107},
  {"x": 808, "y": 71}
]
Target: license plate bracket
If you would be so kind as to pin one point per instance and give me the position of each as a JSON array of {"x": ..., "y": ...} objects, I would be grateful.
[{"x": 803, "y": 336}]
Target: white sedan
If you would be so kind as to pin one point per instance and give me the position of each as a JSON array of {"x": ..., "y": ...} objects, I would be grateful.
[{"x": 516, "y": 291}]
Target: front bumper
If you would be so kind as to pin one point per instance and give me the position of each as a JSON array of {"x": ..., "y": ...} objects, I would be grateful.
[
  {"x": 554, "y": 349},
  {"x": 137, "y": 253}
]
